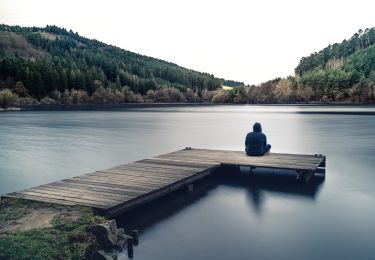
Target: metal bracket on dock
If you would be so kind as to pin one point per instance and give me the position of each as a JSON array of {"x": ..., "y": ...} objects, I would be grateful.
[
  {"x": 190, "y": 187},
  {"x": 322, "y": 166}
]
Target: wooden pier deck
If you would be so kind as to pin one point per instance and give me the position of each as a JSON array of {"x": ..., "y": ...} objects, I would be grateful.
[{"x": 124, "y": 187}]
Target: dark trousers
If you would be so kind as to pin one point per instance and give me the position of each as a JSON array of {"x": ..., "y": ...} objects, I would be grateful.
[
  {"x": 258, "y": 153},
  {"x": 267, "y": 148}
]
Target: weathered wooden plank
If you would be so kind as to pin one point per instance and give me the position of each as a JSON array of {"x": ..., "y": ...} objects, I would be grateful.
[
  {"x": 114, "y": 184},
  {"x": 228, "y": 152},
  {"x": 136, "y": 181},
  {"x": 244, "y": 162},
  {"x": 37, "y": 196},
  {"x": 286, "y": 161},
  {"x": 71, "y": 195},
  {"x": 78, "y": 192},
  {"x": 127, "y": 175},
  {"x": 151, "y": 185},
  {"x": 150, "y": 172},
  {"x": 242, "y": 156},
  {"x": 109, "y": 190},
  {"x": 156, "y": 167},
  {"x": 110, "y": 185},
  {"x": 232, "y": 154},
  {"x": 145, "y": 172},
  {"x": 42, "y": 199},
  {"x": 179, "y": 164}
]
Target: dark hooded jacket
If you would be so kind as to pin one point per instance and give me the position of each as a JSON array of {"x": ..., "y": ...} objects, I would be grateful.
[{"x": 256, "y": 141}]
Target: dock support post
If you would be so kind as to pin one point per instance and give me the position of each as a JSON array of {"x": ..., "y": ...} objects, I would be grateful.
[
  {"x": 130, "y": 247},
  {"x": 322, "y": 167},
  {"x": 309, "y": 175},
  {"x": 135, "y": 234},
  {"x": 304, "y": 176},
  {"x": 323, "y": 163},
  {"x": 299, "y": 175}
]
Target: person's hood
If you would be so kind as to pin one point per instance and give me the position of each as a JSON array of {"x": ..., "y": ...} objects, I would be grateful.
[{"x": 257, "y": 128}]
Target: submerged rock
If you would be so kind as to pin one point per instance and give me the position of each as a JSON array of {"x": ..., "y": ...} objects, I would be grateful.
[
  {"x": 111, "y": 240},
  {"x": 120, "y": 231},
  {"x": 121, "y": 239},
  {"x": 106, "y": 234}
]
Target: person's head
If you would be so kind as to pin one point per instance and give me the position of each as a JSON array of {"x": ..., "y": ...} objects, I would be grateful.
[{"x": 257, "y": 127}]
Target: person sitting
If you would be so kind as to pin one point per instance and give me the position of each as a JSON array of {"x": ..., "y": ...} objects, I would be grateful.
[{"x": 256, "y": 142}]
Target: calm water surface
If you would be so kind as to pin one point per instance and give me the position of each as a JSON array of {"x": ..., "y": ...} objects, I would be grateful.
[{"x": 248, "y": 217}]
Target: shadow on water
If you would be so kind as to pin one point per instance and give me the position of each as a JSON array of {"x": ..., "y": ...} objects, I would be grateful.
[
  {"x": 144, "y": 217},
  {"x": 256, "y": 184}
]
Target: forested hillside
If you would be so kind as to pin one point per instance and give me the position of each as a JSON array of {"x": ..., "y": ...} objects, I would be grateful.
[
  {"x": 340, "y": 72},
  {"x": 49, "y": 62},
  {"x": 54, "y": 66}
]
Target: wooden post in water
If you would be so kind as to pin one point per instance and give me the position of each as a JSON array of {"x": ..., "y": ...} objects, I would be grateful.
[
  {"x": 304, "y": 175},
  {"x": 130, "y": 247},
  {"x": 135, "y": 234},
  {"x": 300, "y": 175},
  {"x": 309, "y": 175}
]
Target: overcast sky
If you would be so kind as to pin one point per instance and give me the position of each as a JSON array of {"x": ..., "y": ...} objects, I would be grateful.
[{"x": 244, "y": 40}]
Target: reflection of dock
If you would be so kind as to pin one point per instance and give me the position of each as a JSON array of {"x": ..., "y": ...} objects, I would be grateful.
[
  {"x": 124, "y": 187},
  {"x": 277, "y": 182}
]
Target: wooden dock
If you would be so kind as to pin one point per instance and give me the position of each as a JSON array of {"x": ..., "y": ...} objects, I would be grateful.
[{"x": 124, "y": 187}]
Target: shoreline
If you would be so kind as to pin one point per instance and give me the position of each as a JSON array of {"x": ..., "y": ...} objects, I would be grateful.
[
  {"x": 52, "y": 231},
  {"x": 46, "y": 230},
  {"x": 114, "y": 107}
]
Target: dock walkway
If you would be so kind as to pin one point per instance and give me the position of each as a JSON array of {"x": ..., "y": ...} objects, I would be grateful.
[{"x": 124, "y": 187}]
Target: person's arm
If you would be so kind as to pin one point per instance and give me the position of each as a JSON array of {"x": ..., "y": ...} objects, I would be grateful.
[
  {"x": 265, "y": 141},
  {"x": 246, "y": 140}
]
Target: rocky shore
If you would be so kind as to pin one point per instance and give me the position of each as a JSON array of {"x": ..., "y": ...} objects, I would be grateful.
[{"x": 50, "y": 231}]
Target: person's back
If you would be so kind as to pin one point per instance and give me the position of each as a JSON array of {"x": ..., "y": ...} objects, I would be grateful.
[{"x": 256, "y": 142}]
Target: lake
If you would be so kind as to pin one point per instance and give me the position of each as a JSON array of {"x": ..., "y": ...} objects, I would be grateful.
[{"x": 228, "y": 217}]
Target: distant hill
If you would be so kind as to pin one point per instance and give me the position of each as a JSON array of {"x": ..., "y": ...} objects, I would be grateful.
[
  {"x": 54, "y": 66},
  {"x": 333, "y": 55},
  {"x": 52, "y": 58},
  {"x": 342, "y": 70}
]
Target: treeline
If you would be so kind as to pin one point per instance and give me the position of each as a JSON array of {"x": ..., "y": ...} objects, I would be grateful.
[
  {"x": 54, "y": 66},
  {"x": 336, "y": 52},
  {"x": 52, "y": 58},
  {"x": 280, "y": 91},
  {"x": 294, "y": 89},
  {"x": 341, "y": 72},
  {"x": 17, "y": 96}
]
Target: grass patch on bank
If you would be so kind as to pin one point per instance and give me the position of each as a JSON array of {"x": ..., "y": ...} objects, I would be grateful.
[
  {"x": 66, "y": 237},
  {"x": 13, "y": 209}
]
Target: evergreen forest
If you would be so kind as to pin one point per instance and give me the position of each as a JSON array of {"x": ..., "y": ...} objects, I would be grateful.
[{"x": 52, "y": 65}]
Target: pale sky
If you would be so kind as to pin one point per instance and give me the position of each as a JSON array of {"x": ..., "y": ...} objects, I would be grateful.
[{"x": 249, "y": 41}]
